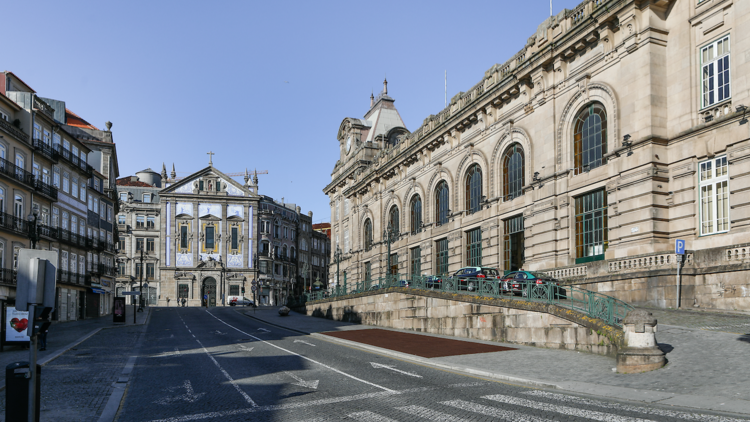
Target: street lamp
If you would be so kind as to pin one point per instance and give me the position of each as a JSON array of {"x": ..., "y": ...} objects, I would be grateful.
[
  {"x": 140, "y": 300},
  {"x": 33, "y": 228},
  {"x": 337, "y": 257},
  {"x": 390, "y": 235}
]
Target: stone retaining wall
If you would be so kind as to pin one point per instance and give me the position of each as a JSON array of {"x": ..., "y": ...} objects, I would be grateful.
[{"x": 471, "y": 316}]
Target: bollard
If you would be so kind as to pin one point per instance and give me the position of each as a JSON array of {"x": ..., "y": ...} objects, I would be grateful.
[{"x": 640, "y": 354}]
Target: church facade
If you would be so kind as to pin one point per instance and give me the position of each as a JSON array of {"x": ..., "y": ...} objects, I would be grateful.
[{"x": 617, "y": 130}]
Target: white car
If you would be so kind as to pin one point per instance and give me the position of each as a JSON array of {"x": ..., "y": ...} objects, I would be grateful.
[{"x": 239, "y": 300}]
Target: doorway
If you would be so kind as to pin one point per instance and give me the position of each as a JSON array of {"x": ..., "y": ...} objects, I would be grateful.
[
  {"x": 514, "y": 243},
  {"x": 208, "y": 291}
]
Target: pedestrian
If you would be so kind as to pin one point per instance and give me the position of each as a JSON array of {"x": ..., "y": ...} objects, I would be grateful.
[
  {"x": 183, "y": 302},
  {"x": 205, "y": 300},
  {"x": 42, "y": 338}
]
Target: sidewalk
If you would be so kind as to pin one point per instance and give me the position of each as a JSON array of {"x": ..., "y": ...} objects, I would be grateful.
[
  {"x": 64, "y": 336},
  {"x": 706, "y": 368}
]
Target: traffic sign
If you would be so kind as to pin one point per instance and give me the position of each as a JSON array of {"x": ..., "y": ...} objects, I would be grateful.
[
  {"x": 679, "y": 246},
  {"x": 130, "y": 293},
  {"x": 254, "y": 283},
  {"x": 253, "y": 288}
]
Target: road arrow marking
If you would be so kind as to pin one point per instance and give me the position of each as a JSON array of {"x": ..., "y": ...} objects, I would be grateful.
[
  {"x": 392, "y": 368},
  {"x": 220, "y": 333},
  {"x": 304, "y": 342},
  {"x": 303, "y": 383},
  {"x": 250, "y": 349},
  {"x": 264, "y": 330},
  {"x": 189, "y": 395}
]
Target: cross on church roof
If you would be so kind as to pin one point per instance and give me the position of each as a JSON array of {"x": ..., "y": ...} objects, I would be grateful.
[{"x": 210, "y": 157}]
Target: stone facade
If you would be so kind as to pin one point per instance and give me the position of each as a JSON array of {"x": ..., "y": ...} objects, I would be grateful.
[{"x": 618, "y": 128}]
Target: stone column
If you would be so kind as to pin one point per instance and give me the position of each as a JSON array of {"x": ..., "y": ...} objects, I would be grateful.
[{"x": 639, "y": 352}]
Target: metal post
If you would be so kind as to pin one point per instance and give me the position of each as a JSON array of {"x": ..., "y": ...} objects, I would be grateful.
[
  {"x": 32, "y": 366},
  {"x": 679, "y": 267},
  {"x": 337, "y": 255},
  {"x": 140, "y": 301}
]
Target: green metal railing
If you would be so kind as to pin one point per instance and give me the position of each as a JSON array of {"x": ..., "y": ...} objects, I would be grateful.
[{"x": 593, "y": 304}]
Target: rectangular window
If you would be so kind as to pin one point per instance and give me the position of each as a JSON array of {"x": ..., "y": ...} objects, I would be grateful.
[
  {"x": 120, "y": 218},
  {"x": 235, "y": 238},
  {"x": 109, "y": 214},
  {"x": 121, "y": 245},
  {"x": 474, "y": 247},
  {"x": 183, "y": 237},
  {"x": 263, "y": 267},
  {"x": 56, "y": 177},
  {"x": 139, "y": 244},
  {"x": 715, "y": 86},
  {"x": 96, "y": 206},
  {"x": 210, "y": 238},
  {"x": 138, "y": 267},
  {"x": 182, "y": 291},
  {"x": 83, "y": 192},
  {"x": 393, "y": 264},
  {"x": 149, "y": 271},
  {"x": 441, "y": 249},
  {"x": 150, "y": 222},
  {"x": 66, "y": 183},
  {"x": 513, "y": 243},
  {"x": 140, "y": 221},
  {"x": 714, "y": 191},
  {"x": 150, "y": 245},
  {"x": 123, "y": 196},
  {"x": 346, "y": 240},
  {"x": 121, "y": 268},
  {"x": 416, "y": 261},
  {"x": 147, "y": 197},
  {"x": 368, "y": 271},
  {"x": 234, "y": 290},
  {"x": 591, "y": 226},
  {"x": 74, "y": 188}
]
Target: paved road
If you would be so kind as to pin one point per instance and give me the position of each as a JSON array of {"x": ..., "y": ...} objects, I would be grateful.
[{"x": 220, "y": 365}]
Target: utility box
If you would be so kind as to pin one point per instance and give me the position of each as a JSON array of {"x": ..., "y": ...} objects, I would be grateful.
[
  {"x": 17, "y": 376},
  {"x": 36, "y": 279}
]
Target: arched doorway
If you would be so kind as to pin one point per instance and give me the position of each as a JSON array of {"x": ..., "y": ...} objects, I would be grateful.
[{"x": 208, "y": 290}]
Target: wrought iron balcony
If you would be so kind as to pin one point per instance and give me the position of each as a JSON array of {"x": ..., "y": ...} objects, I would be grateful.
[
  {"x": 63, "y": 276},
  {"x": 15, "y": 224},
  {"x": 45, "y": 189},
  {"x": 47, "y": 231},
  {"x": 13, "y": 130},
  {"x": 44, "y": 148},
  {"x": 18, "y": 174},
  {"x": 104, "y": 269},
  {"x": 8, "y": 276}
]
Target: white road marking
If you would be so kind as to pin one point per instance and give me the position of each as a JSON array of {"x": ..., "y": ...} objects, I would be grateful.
[
  {"x": 467, "y": 384},
  {"x": 303, "y": 383},
  {"x": 189, "y": 395},
  {"x": 219, "y": 333},
  {"x": 274, "y": 408},
  {"x": 491, "y": 411},
  {"x": 629, "y": 408},
  {"x": 247, "y": 349},
  {"x": 304, "y": 342},
  {"x": 259, "y": 329},
  {"x": 430, "y": 414},
  {"x": 226, "y": 374},
  {"x": 565, "y": 410},
  {"x": 304, "y": 357},
  {"x": 393, "y": 368},
  {"x": 368, "y": 416}
]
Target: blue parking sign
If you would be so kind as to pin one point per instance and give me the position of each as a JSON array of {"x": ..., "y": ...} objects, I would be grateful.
[{"x": 679, "y": 247}]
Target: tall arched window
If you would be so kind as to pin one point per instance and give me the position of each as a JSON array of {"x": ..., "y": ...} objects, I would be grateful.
[
  {"x": 473, "y": 189},
  {"x": 393, "y": 221},
  {"x": 513, "y": 172},
  {"x": 368, "y": 234},
  {"x": 441, "y": 203},
  {"x": 590, "y": 137},
  {"x": 416, "y": 214},
  {"x": 283, "y": 252}
]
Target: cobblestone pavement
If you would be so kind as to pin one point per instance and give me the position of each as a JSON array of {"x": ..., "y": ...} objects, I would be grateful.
[
  {"x": 735, "y": 323},
  {"x": 217, "y": 364},
  {"x": 76, "y": 385}
]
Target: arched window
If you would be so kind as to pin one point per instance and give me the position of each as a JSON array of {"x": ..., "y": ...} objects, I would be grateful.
[
  {"x": 590, "y": 138},
  {"x": 393, "y": 221},
  {"x": 293, "y": 253},
  {"x": 513, "y": 175},
  {"x": 368, "y": 234},
  {"x": 441, "y": 203},
  {"x": 283, "y": 252},
  {"x": 473, "y": 189},
  {"x": 416, "y": 214}
]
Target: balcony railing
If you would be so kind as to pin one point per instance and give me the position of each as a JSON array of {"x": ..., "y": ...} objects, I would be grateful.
[
  {"x": 7, "y": 276},
  {"x": 63, "y": 276},
  {"x": 45, "y": 189},
  {"x": 10, "y": 170},
  {"x": 47, "y": 231},
  {"x": 106, "y": 270},
  {"x": 44, "y": 148},
  {"x": 14, "y": 224}
]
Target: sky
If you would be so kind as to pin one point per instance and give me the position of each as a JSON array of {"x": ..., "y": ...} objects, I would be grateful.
[{"x": 263, "y": 84}]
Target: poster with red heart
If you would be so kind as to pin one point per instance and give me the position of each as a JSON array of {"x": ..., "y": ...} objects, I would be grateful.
[{"x": 16, "y": 323}]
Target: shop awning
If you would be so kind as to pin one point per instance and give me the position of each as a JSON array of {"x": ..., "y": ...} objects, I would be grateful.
[{"x": 99, "y": 291}]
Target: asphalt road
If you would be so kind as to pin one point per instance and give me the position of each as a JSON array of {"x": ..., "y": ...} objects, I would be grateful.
[{"x": 198, "y": 364}]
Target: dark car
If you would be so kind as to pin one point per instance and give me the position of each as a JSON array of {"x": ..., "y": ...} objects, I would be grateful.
[
  {"x": 468, "y": 278},
  {"x": 433, "y": 282},
  {"x": 517, "y": 282}
]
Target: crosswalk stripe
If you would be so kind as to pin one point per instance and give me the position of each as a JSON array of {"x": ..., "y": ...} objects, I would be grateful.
[
  {"x": 629, "y": 408},
  {"x": 492, "y": 411},
  {"x": 368, "y": 416},
  {"x": 430, "y": 414},
  {"x": 565, "y": 410}
]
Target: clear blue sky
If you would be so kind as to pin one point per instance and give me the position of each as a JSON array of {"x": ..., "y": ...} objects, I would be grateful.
[{"x": 262, "y": 84}]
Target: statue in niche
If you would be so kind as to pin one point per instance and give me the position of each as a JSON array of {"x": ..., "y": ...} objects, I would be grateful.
[{"x": 210, "y": 185}]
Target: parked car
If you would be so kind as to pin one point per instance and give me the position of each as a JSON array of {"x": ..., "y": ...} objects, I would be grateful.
[
  {"x": 516, "y": 282},
  {"x": 468, "y": 277},
  {"x": 239, "y": 300},
  {"x": 433, "y": 282}
]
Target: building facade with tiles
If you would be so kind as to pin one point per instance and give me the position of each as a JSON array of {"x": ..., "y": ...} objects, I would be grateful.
[{"x": 619, "y": 128}]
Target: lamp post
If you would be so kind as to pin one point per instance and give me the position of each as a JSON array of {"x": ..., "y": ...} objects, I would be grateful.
[
  {"x": 337, "y": 257},
  {"x": 390, "y": 235},
  {"x": 33, "y": 228},
  {"x": 140, "y": 289}
]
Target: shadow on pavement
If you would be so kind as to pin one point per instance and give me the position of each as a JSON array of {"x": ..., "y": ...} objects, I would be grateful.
[
  {"x": 666, "y": 348},
  {"x": 745, "y": 338}
]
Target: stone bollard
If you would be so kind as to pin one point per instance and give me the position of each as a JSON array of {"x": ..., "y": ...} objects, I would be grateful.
[
  {"x": 284, "y": 311},
  {"x": 640, "y": 352}
]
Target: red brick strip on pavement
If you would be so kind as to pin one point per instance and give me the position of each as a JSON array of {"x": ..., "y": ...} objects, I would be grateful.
[{"x": 415, "y": 344}]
